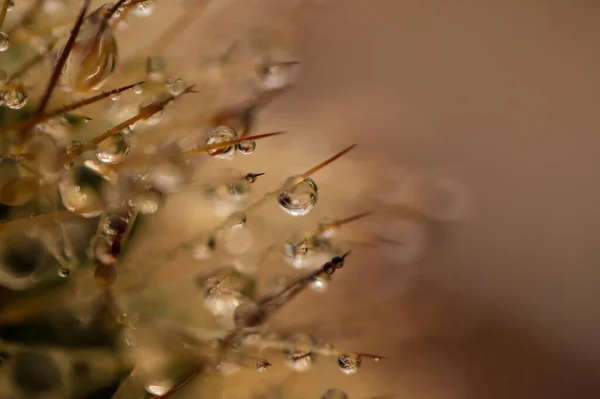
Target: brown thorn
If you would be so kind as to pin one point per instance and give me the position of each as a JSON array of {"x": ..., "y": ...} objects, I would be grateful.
[
  {"x": 341, "y": 222},
  {"x": 230, "y": 143},
  {"x": 145, "y": 113},
  {"x": 315, "y": 169},
  {"x": 63, "y": 58},
  {"x": 48, "y": 115}
]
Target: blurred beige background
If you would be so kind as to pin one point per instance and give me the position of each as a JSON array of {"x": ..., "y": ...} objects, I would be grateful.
[{"x": 501, "y": 96}]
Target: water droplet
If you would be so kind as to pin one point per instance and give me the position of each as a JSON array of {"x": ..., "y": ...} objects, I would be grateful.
[
  {"x": 278, "y": 76},
  {"x": 156, "y": 69},
  {"x": 300, "y": 199},
  {"x": 105, "y": 275},
  {"x": 144, "y": 9},
  {"x": 64, "y": 272},
  {"x": 262, "y": 365},
  {"x": 222, "y": 293},
  {"x": 78, "y": 193},
  {"x": 349, "y": 364},
  {"x": 138, "y": 89},
  {"x": 175, "y": 86},
  {"x": 114, "y": 149},
  {"x": 237, "y": 191},
  {"x": 115, "y": 225},
  {"x": 320, "y": 283},
  {"x": 115, "y": 95},
  {"x": 204, "y": 250},
  {"x": 11, "y": 5},
  {"x": 334, "y": 393},
  {"x": 15, "y": 97},
  {"x": 300, "y": 358},
  {"x": 75, "y": 148},
  {"x": 148, "y": 201},
  {"x": 247, "y": 147},
  {"x": 222, "y": 134},
  {"x": 307, "y": 252},
  {"x": 93, "y": 57},
  {"x": 4, "y": 41}
]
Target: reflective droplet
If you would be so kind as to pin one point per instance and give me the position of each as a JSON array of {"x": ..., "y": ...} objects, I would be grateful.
[
  {"x": 78, "y": 192},
  {"x": 11, "y": 5},
  {"x": 204, "y": 249},
  {"x": 247, "y": 147},
  {"x": 262, "y": 365},
  {"x": 93, "y": 57},
  {"x": 115, "y": 225},
  {"x": 4, "y": 41},
  {"x": 307, "y": 252},
  {"x": 300, "y": 358},
  {"x": 15, "y": 97},
  {"x": 144, "y": 9},
  {"x": 156, "y": 69},
  {"x": 175, "y": 86},
  {"x": 138, "y": 89},
  {"x": 222, "y": 134},
  {"x": 279, "y": 76},
  {"x": 222, "y": 293},
  {"x": 334, "y": 393},
  {"x": 320, "y": 283},
  {"x": 349, "y": 364},
  {"x": 75, "y": 148},
  {"x": 300, "y": 199},
  {"x": 114, "y": 149},
  {"x": 147, "y": 201},
  {"x": 115, "y": 95},
  {"x": 105, "y": 275},
  {"x": 64, "y": 272}
]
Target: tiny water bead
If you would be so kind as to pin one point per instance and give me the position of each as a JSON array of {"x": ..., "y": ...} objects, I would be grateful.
[
  {"x": 115, "y": 95},
  {"x": 349, "y": 363},
  {"x": 246, "y": 147},
  {"x": 307, "y": 252},
  {"x": 114, "y": 149},
  {"x": 262, "y": 365},
  {"x": 78, "y": 189},
  {"x": 156, "y": 69},
  {"x": 144, "y": 8},
  {"x": 115, "y": 225},
  {"x": 320, "y": 283},
  {"x": 299, "y": 359},
  {"x": 147, "y": 201},
  {"x": 278, "y": 76},
  {"x": 15, "y": 97},
  {"x": 334, "y": 393},
  {"x": 301, "y": 198},
  {"x": 138, "y": 89},
  {"x": 222, "y": 134},
  {"x": 4, "y": 42},
  {"x": 64, "y": 272},
  {"x": 175, "y": 86}
]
